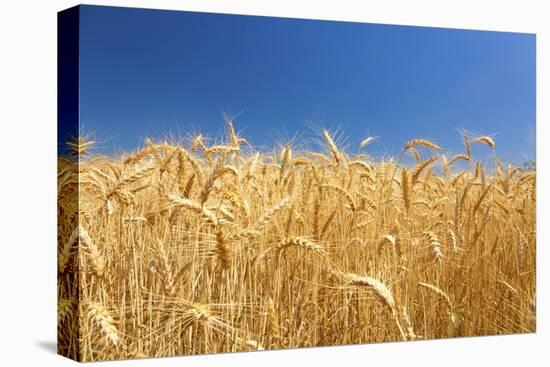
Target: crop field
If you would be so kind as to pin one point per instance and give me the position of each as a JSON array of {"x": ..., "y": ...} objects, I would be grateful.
[{"x": 181, "y": 248}]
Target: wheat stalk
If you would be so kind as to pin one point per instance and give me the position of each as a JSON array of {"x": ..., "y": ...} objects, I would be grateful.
[{"x": 102, "y": 318}]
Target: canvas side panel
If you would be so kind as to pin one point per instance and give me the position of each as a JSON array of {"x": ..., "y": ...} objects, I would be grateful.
[{"x": 68, "y": 183}]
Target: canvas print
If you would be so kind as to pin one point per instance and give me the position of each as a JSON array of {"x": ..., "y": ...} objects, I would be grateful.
[{"x": 231, "y": 183}]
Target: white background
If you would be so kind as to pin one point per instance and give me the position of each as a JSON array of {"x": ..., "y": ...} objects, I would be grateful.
[{"x": 28, "y": 180}]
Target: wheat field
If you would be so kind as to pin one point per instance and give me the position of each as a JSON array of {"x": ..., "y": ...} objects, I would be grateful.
[{"x": 192, "y": 248}]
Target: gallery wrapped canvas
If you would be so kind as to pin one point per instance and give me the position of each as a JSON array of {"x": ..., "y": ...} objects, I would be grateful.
[{"x": 232, "y": 183}]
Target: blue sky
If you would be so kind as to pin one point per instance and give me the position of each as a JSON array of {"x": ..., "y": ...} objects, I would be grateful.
[{"x": 147, "y": 73}]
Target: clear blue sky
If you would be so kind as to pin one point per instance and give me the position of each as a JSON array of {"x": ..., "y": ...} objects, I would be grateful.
[{"x": 148, "y": 72}]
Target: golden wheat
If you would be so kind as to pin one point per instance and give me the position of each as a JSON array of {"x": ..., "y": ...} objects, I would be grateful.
[{"x": 191, "y": 248}]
